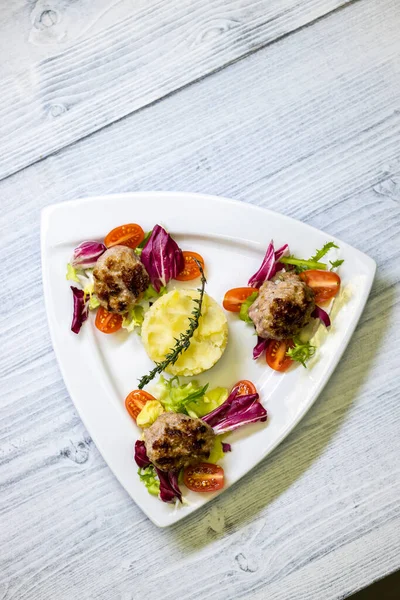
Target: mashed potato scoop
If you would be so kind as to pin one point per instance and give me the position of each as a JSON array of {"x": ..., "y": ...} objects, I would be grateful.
[{"x": 169, "y": 316}]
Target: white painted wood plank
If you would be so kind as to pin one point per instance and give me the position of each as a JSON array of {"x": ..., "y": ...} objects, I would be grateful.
[
  {"x": 89, "y": 81},
  {"x": 314, "y": 135}
]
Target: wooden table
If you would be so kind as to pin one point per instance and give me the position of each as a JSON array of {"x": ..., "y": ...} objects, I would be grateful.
[{"x": 289, "y": 104}]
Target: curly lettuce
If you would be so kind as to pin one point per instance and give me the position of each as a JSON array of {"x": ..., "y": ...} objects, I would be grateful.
[
  {"x": 148, "y": 476},
  {"x": 189, "y": 398}
]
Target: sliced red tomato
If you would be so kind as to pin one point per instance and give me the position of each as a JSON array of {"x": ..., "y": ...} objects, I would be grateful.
[
  {"x": 245, "y": 388},
  {"x": 190, "y": 270},
  {"x": 204, "y": 477},
  {"x": 234, "y": 298},
  {"x": 125, "y": 235},
  {"x": 276, "y": 354},
  {"x": 325, "y": 284},
  {"x": 135, "y": 401},
  {"x": 107, "y": 322}
]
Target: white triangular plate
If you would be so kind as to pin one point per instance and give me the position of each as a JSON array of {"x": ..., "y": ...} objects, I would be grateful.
[{"x": 100, "y": 370}]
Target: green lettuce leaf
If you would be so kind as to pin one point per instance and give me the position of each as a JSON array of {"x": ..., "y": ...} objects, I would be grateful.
[
  {"x": 244, "y": 309},
  {"x": 148, "y": 477},
  {"x": 71, "y": 274},
  {"x": 216, "y": 453},
  {"x": 190, "y": 398},
  {"x": 134, "y": 318},
  {"x": 151, "y": 294},
  {"x": 93, "y": 302},
  {"x": 211, "y": 400},
  {"x": 139, "y": 249}
]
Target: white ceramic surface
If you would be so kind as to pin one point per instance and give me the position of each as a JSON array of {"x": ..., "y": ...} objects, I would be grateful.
[{"x": 100, "y": 370}]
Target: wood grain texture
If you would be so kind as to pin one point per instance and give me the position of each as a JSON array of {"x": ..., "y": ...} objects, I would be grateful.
[
  {"x": 309, "y": 127},
  {"x": 151, "y": 51}
]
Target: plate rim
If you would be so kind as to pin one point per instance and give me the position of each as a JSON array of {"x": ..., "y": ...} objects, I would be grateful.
[{"x": 46, "y": 213}]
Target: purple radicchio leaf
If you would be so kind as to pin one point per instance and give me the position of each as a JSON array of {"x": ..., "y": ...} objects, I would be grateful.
[
  {"x": 236, "y": 411},
  {"x": 86, "y": 254},
  {"x": 319, "y": 313},
  {"x": 169, "y": 488},
  {"x": 141, "y": 458},
  {"x": 226, "y": 447},
  {"x": 81, "y": 309},
  {"x": 162, "y": 258},
  {"x": 269, "y": 266},
  {"x": 259, "y": 347}
]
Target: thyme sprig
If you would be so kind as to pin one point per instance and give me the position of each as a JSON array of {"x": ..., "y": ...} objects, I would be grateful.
[{"x": 183, "y": 341}]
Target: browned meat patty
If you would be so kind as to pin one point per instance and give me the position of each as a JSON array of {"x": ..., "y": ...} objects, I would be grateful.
[
  {"x": 119, "y": 279},
  {"x": 175, "y": 441},
  {"x": 282, "y": 307}
]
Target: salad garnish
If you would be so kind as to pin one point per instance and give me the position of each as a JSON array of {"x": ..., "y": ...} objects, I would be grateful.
[
  {"x": 302, "y": 264},
  {"x": 336, "y": 263},
  {"x": 86, "y": 254},
  {"x": 204, "y": 477},
  {"x": 260, "y": 347},
  {"x": 234, "y": 298},
  {"x": 276, "y": 354},
  {"x": 244, "y": 308},
  {"x": 147, "y": 476},
  {"x": 269, "y": 265},
  {"x": 322, "y": 315},
  {"x": 183, "y": 342},
  {"x": 301, "y": 351},
  {"x": 80, "y": 309},
  {"x": 131, "y": 235},
  {"x": 162, "y": 258},
  {"x": 107, "y": 322},
  {"x": 237, "y": 410},
  {"x": 190, "y": 267}
]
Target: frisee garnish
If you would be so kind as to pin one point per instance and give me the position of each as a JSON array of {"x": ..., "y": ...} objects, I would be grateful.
[
  {"x": 301, "y": 352},
  {"x": 324, "y": 250},
  {"x": 336, "y": 263},
  {"x": 302, "y": 264},
  {"x": 197, "y": 395},
  {"x": 183, "y": 341}
]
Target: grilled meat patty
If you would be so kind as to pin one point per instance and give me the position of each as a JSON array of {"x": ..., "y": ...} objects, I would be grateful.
[
  {"x": 283, "y": 307},
  {"x": 176, "y": 440},
  {"x": 119, "y": 279}
]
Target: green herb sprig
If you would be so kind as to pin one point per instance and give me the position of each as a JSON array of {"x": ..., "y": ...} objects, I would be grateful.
[
  {"x": 336, "y": 263},
  {"x": 183, "y": 341},
  {"x": 301, "y": 352},
  {"x": 324, "y": 250},
  {"x": 301, "y": 264}
]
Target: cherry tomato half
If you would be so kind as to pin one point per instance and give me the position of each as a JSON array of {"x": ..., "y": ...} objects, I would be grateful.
[
  {"x": 276, "y": 354},
  {"x": 325, "y": 284},
  {"x": 135, "y": 401},
  {"x": 204, "y": 477},
  {"x": 234, "y": 298},
  {"x": 245, "y": 388},
  {"x": 125, "y": 235},
  {"x": 190, "y": 270},
  {"x": 107, "y": 322}
]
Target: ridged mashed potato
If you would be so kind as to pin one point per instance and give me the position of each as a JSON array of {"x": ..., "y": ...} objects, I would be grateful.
[{"x": 169, "y": 317}]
